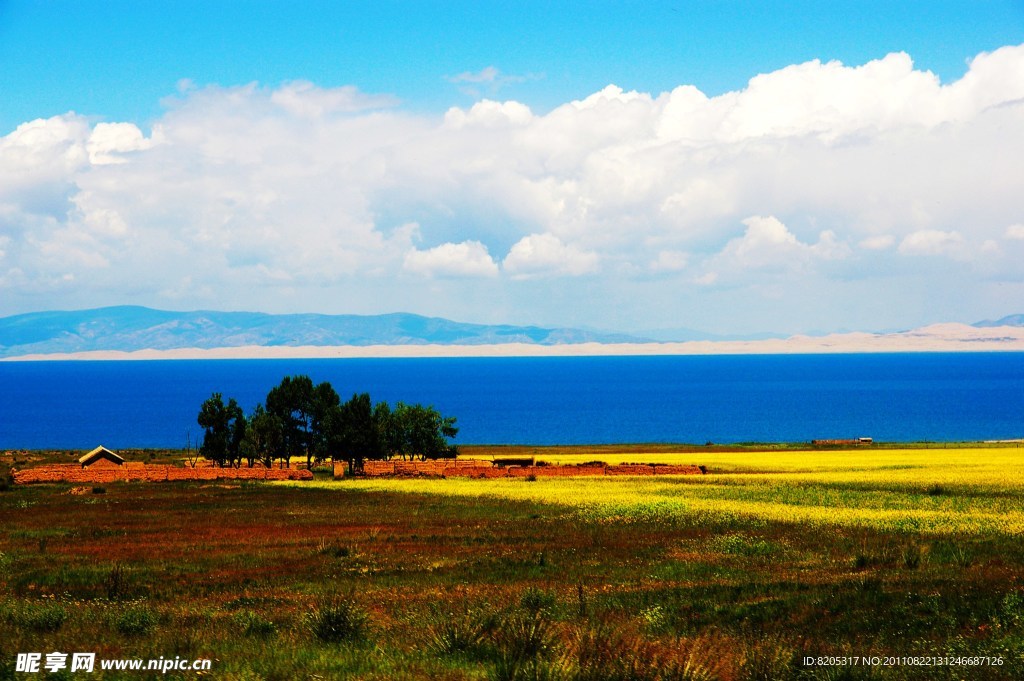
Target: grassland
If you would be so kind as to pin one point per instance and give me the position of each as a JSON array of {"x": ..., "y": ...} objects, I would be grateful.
[
  {"x": 965, "y": 491},
  {"x": 774, "y": 557}
]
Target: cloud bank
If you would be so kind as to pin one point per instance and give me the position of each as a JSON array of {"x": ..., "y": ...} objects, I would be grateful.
[{"x": 819, "y": 196}]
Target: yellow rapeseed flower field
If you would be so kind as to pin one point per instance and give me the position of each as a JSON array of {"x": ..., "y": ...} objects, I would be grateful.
[{"x": 937, "y": 491}]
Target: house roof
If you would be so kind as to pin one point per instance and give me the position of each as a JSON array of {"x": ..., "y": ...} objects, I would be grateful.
[{"x": 100, "y": 452}]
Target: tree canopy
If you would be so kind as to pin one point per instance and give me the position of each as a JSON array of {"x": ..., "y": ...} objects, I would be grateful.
[
  {"x": 303, "y": 419},
  {"x": 223, "y": 430}
]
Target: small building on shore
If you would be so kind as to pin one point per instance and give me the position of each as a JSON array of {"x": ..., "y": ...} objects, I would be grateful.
[{"x": 101, "y": 457}]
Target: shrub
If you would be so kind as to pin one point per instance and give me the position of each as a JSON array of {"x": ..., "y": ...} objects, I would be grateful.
[
  {"x": 740, "y": 545},
  {"x": 41, "y": 616},
  {"x": 1011, "y": 609},
  {"x": 136, "y": 620},
  {"x": 534, "y": 601},
  {"x": 99, "y": 490},
  {"x": 326, "y": 548},
  {"x": 340, "y": 620},
  {"x": 961, "y": 557},
  {"x": 608, "y": 653},
  {"x": 655, "y": 619},
  {"x": 911, "y": 557},
  {"x": 581, "y": 601},
  {"x": 116, "y": 582},
  {"x": 252, "y": 624},
  {"x": 466, "y": 633},
  {"x": 768, "y": 660},
  {"x": 525, "y": 646},
  {"x": 510, "y": 669},
  {"x": 874, "y": 556}
]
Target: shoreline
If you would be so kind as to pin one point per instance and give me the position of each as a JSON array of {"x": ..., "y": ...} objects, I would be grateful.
[{"x": 935, "y": 338}]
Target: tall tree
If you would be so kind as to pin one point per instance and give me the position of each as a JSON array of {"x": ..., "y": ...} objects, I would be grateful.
[
  {"x": 291, "y": 402},
  {"x": 424, "y": 432},
  {"x": 325, "y": 404},
  {"x": 353, "y": 433},
  {"x": 302, "y": 409},
  {"x": 237, "y": 425},
  {"x": 263, "y": 439},
  {"x": 223, "y": 430},
  {"x": 389, "y": 433}
]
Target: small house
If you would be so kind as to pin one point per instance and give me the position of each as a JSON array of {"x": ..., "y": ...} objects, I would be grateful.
[{"x": 101, "y": 457}]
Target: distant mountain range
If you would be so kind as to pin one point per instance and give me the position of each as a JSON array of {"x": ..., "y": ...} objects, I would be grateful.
[
  {"x": 1009, "y": 320},
  {"x": 131, "y": 328}
]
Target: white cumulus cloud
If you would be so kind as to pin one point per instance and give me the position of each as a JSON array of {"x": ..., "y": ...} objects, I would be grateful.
[
  {"x": 108, "y": 140},
  {"x": 262, "y": 197},
  {"x": 879, "y": 242},
  {"x": 670, "y": 261},
  {"x": 466, "y": 259},
  {"x": 768, "y": 244},
  {"x": 545, "y": 254},
  {"x": 932, "y": 242},
  {"x": 768, "y": 250},
  {"x": 305, "y": 99},
  {"x": 489, "y": 113}
]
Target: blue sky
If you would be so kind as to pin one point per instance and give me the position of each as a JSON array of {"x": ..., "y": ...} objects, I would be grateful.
[
  {"x": 118, "y": 59},
  {"x": 725, "y": 166}
]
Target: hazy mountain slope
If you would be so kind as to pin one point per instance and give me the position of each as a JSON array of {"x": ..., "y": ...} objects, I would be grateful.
[
  {"x": 137, "y": 328},
  {"x": 1009, "y": 320}
]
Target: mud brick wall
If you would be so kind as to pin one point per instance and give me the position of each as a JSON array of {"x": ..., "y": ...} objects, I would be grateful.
[
  {"x": 630, "y": 469},
  {"x": 143, "y": 473},
  {"x": 669, "y": 469},
  {"x": 285, "y": 474},
  {"x": 484, "y": 469},
  {"x": 375, "y": 468},
  {"x": 431, "y": 468},
  {"x": 475, "y": 472}
]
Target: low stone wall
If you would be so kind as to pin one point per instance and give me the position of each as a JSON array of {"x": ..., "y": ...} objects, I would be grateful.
[
  {"x": 134, "y": 471},
  {"x": 468, "y": 468}
]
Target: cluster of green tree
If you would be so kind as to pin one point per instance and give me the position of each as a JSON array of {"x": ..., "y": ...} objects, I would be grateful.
[{"x": 300, "y": 419}]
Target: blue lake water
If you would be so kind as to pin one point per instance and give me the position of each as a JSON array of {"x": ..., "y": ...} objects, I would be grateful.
[{"x": 579, "y": 400}]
